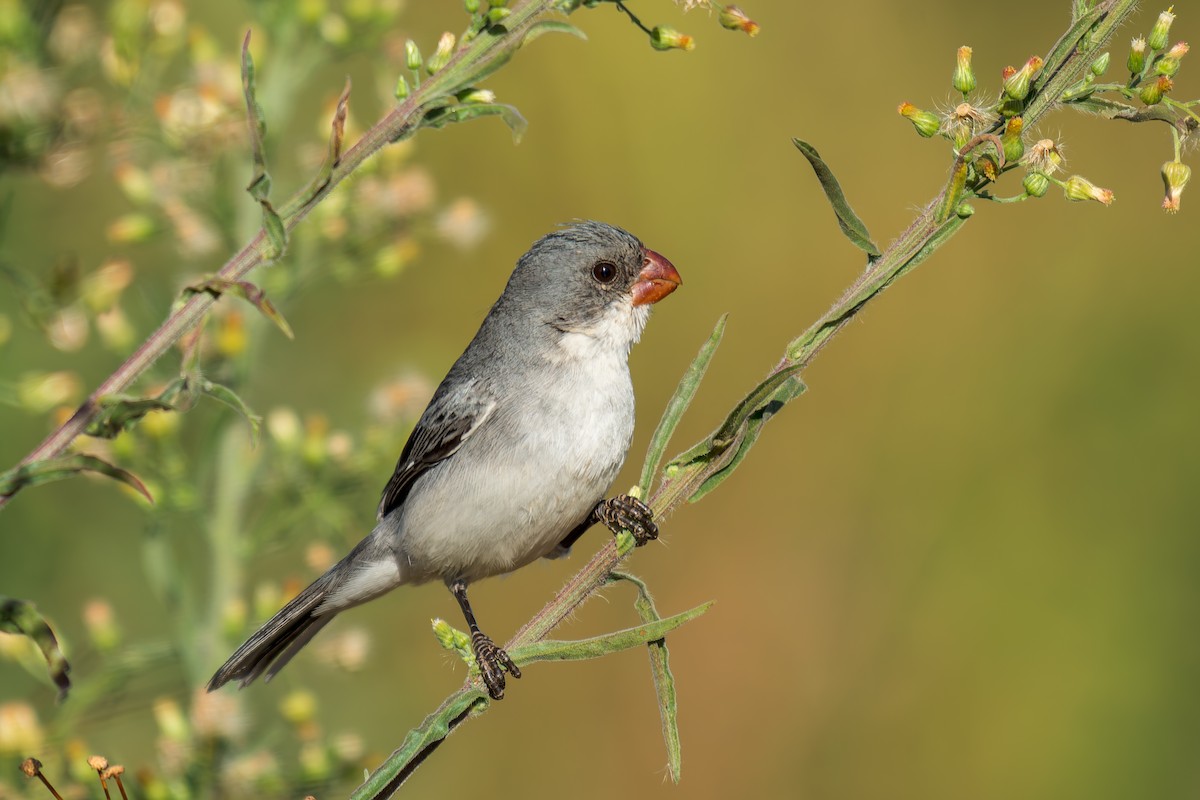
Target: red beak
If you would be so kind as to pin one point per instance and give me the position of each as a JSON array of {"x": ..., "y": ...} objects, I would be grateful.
[{"x": 657, "y": 279}]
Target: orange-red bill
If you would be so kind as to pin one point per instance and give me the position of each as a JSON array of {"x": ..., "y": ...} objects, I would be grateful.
[{"x": 657, "y": 279}]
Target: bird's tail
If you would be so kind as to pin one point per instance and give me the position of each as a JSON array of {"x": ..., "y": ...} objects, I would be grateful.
[{"x": 364, "y": 574}]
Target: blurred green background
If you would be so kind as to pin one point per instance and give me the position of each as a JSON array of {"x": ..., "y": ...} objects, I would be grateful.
[{"x": 964, "y": 564}]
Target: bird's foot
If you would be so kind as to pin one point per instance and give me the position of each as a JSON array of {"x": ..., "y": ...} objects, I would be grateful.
[
  {"x": 624, "y": 512},
  {"x": 492, "y": 662}
]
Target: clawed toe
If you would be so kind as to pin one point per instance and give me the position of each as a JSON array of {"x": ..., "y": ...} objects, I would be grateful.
[
  {"x": 624, "y": 512},
  {"x": 492, "y": 662}
]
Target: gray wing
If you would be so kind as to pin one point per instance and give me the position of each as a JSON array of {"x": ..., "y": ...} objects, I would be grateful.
[{"x": 452, "y": 416}]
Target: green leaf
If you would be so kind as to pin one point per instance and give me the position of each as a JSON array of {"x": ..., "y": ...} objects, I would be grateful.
[
  {"x": 20, "y": 617},
  {"x": 260, "y": 182},
  {"x": 119, "y": 411},
  {"x": 788, "y": 390},
  {"x": 847, "y": 220},
  {"x": 579, "y": 649},
  {"x": 551, "y": 26},
  {"x": 660, "y": 670},
  {"x": 678, "y": 404},
  {"x": 439, "y": 118},
  {"x": 248, "y": 292},
  {"x": 54, "y": 469},
  {"x": 230, "y": 398}
]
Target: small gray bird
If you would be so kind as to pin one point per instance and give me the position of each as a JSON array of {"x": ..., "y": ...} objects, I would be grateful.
[{"x": 511, "y": 460}]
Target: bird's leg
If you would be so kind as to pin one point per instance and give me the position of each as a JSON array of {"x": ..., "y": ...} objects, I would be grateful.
[
  {"x": 491, "y": 659},
  {"x": 626, "y": 513}
]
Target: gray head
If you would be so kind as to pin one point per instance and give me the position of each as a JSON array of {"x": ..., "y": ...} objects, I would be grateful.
[{"x": 589, "y": 278}]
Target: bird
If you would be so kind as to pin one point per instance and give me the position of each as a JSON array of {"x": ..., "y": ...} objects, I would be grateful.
[{"x": 512, "y": 458}]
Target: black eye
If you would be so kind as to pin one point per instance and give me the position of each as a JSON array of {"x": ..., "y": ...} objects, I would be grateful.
[{"x": 604, "y": 271}]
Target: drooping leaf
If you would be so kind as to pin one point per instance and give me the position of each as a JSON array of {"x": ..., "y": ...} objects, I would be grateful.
[
  {"x": 551, "y": 26},
  {"x": 248, "y": 292},
  {"x": 20, "y": 617},
  {"x": 461, "y": 113},
  {"x": 678, "y": 404},
  {"x": 848, "y": 221},
  {"x": 118, "y": 412},
  {"x": 54, "y": 469},
  {"x": 230, "y": 398},
  {"x": 660, "y": 670},
  {"x": 596, "y": 646}
]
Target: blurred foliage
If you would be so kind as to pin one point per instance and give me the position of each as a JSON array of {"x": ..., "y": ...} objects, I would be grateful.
[{"x": 986, "y": 556}]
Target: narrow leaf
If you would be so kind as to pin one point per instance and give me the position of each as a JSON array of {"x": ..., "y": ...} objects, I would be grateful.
[
  {"x": 787, "y": 391},
  {"x": 660, "y": 670},
  {"x": 20, "y": 617},
  {"x": 54, "y": 469},
  {"x": 419, "y": 743},
  {"x": 255, "y": 123},
  {"x": 579, "y": 649},
  {"x": 678, "y": 404},
  {"x": 461, "y": 113},
  {"x": 230, "y": 398},
  {"x": 248, "y": 292},
  {"x": 848, "y": 221},
  {"x": 551, "y": 26},
  {"x": 118, "y": 412}
]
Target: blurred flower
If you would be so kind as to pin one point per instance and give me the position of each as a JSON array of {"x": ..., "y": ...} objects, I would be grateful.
[
  {"x": 114, "y": 329},
  {"x": 160, "y": 424},
  {"x": 299, "y": 707},
  {"x": 217, "y": 715},
  {"x": 73, "y": 37},
  {"x": 134, "y": 183},
  {"x": 319, "y": 557},
  {"x": 20, "y": 731},
  {"x": 27, "y": 94},
  {"x": 65, "y": 166},
  {"x": 41, "y": 391},
  {"x": 172, "y": 724},
  {"x": 101, "y": 625},
  {"x": 392, "y": 258},
  {"x": 402, "y": 398},
  {"x": 283, "y": 425},
  {"x": 347, "y": 650},
  {"x": 130, "y": 228},
  {"x": 314, "y": 761},
  {"x": 167, "y": 18},
  {"x": 67, "y": 329},
  {"x": 333, "y": 29},
  {"x": 348, "y": 747},
  {"x": 102, "y": 288},
  {"x": 193, "y": 234},
  {"x": 233, "y": 618},
  {"x": 231, "y": 338},
  {"x": 463, "y": 223},
  {"x": 267, "y": 600},
  {"x": 315, "y": 445},
  {"x": 244, "y": 773}
]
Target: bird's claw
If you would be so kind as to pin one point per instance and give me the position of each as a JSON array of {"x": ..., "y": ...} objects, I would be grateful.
[
  {"x": 492, "y": 662},
  {"x": 624, "y": 512}
]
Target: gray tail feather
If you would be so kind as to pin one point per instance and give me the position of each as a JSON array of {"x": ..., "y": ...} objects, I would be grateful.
[{"x": 274, "y": 644}]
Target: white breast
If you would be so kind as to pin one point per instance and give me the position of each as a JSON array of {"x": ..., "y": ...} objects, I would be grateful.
[{"x": 523, "y": 482}]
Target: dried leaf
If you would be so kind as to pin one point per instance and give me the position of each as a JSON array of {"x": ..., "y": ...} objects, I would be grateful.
[{"x": 248, "y": 292}]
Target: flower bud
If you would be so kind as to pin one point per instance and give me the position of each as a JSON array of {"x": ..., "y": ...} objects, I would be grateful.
[
  {"x": 1169, "y": 64},
  {"x": 401, "y": 88},
  {"x": 734, "y": 19},
  {"x": 927, "y": 124},
  {"x": 1137, "y": 56},
  {"x": 412, "y": 55},
  {"x": 497, "y": 14},
  {"x": 469, "y": 96},
  {"x": 1175, "y": 175},
  {"x": 1099, "y": 66},
  {"x": 441, "y": 56},
  {"x": 1161, "y": 30},
  {"x": 664, "y": 38},
  {"x": 1035, "y": 184},
  {"x": 1153, "y": 93},
  {"x": 1014, "y": 145},
  {"x": 472, "y": 6},
  {"x": 1080, "y": 188},
  {"x": 964, "y": 76},
  {"x": 1016, "y": 85}
]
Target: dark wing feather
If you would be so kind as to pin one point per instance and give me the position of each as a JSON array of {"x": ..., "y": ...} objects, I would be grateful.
[{"x": 452, "y": 416}]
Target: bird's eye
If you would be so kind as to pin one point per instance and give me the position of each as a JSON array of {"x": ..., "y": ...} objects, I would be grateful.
[{"x": 604, "y": 271}]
